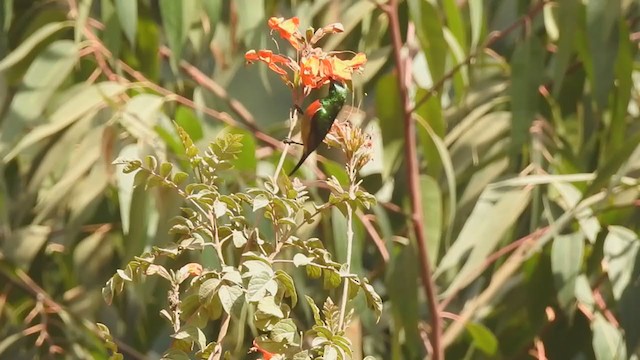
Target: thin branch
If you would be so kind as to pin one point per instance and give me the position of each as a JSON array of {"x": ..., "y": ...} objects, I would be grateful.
[{"x": 411, "y": 157}]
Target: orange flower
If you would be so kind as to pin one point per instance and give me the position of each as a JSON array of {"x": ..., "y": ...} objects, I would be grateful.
[
  {"x": 265, "y": 354},
  {"x": 288, "y": 30},
  {"x": 339, "y": 69},
  {"x": 310, "y": 72},
  {"x": 317, "y": 69},
  {"x": 313, "y": 67},
  {"x": 271, "y": 59}
]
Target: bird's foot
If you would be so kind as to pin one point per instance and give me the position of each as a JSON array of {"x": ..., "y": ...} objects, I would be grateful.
[{"x": 289, "y": 141}]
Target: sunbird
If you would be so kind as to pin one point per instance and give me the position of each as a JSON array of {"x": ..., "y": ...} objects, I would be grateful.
[{"x": 318, "y": 118}]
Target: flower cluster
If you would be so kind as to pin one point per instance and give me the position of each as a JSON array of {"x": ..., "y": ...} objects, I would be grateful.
[
  {"x": 356, "y": 145},
  {"x": 313, "y": 67}
]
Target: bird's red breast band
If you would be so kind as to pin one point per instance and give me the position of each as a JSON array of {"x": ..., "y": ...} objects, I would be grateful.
[{"x": 312, "y": 109}]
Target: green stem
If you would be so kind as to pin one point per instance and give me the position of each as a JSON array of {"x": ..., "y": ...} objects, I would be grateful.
[{"x": 345, "y": 288}]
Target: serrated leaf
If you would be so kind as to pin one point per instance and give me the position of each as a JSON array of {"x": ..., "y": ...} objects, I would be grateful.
[
  {"x": 230, "y": 297},
  {"x": 258, "y": 286},
  {"x": 284, "y": 331},
  {"x": 374, "y": 302},
  {"x": 331, "y": 279}
]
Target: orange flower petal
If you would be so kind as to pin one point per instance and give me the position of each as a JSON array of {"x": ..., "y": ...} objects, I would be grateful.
[
  {"x": 288, "y": 30},
  {"x": 271, "y": 59}
]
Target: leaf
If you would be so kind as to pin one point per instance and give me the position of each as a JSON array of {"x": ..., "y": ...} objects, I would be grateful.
[
  {"x": 435, "y": 225},
  {"x": 127, "y": 11},
  {"x": 301, "y": 260},
  {"x": 140, "y": 116},
  {"x": 568, "y": 25},
  {"x": 286, "y": 281},
  {"x": 284, "y": 331},
  {"x": 231, "y": 297},
  {"x": 331, "y": 278},
  {"x": 476, "y": 17},
  {"x": 191, "y": 334},
  {"x": 374, "y": 302},
  {"x": 402, "y": 287},
  {"x": 176, "y": 20},
  {"x": 267, "y": 305},
  {"x": 260, "y": 202},
  {"x": 566, "y": 261},
  {"x": 31, "y": 42},
  {"x": 608, "y": 342},
  {"x": 259, "y": 285},
  {"x": 45, "y": 74},
  {"x": 187, "y": 119},
  {"x": 483, "y": 338},
  {"x": 621, "y": 252},
  {"x": 527, "y": 63},
  {"x": 314, "y": 310},
  {"x": 429, "y": 30},
  {"x": 124, "y": 184},
  {"x": 494, "y": 214},
  {"x": 24, "y": 244},
  {"x": 602, "y": 32}
]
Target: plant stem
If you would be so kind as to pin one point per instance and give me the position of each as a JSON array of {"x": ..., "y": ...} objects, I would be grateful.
[
  {"x": 345, "y": 288},
  {"x": 293, "y": 119},
  {"x": 217, "y": 353},
  {"x": 404, "y": 79}
]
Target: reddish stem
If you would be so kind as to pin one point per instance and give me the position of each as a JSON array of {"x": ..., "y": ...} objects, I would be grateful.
[{"x": 411, "y": 157}]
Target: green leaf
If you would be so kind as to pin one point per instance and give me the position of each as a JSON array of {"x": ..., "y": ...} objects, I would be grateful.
[
  {"x": 231, "y": 298},
  {"x": 286, "y": 281},
  {"x": 402, "y": 286},
  {"x": 31, "y": 42},
  {"x": 260, "y": 202},
  {"x": 476, "y": 17},
  {"x": 260, "y": 285},
  {"x": 621, "y": 253},
  {"x": 483, "y": 338},
  {"x": 568, "y": 25},
  {"x": 454, "y": 22},
  {"x": 78, "y": 105},
  {"x": 431, "y": 215},
  {"x": 429, "y": 26},
  {"x": 374, "y": 302},
  {"x": 128, "y": 15},
  {"x": 176, "y": 20},
  {"x": 267, "y": 305},
  {"x": 208, "y": 289},
  {"x": 24, "y": 244},
  {"x": 45, "y": 74},
  {"x": 602, "y": 31},
  {"x": 331, "y": 278},
  {"x": 314, "y": 309},
  {"x": 494, "y": 214},
  {"x": 527, "y": 65},
  {"x": 284, "y": 331},
  {"x": 608, "y": 341},
  {"x": 140, "y": 116},
  {"x": 566, "y": 261},
  {"x": 187, "y": 119}
]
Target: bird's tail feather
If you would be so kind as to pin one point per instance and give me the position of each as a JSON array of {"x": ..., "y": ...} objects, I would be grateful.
[{"x": 304, "y": 157}]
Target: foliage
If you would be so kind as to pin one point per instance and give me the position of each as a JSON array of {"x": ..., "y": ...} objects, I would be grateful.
[{"x": 528, "y": 160}]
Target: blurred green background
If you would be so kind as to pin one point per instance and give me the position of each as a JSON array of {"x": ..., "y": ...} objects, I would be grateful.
[{"x": 528, "y": 152}]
